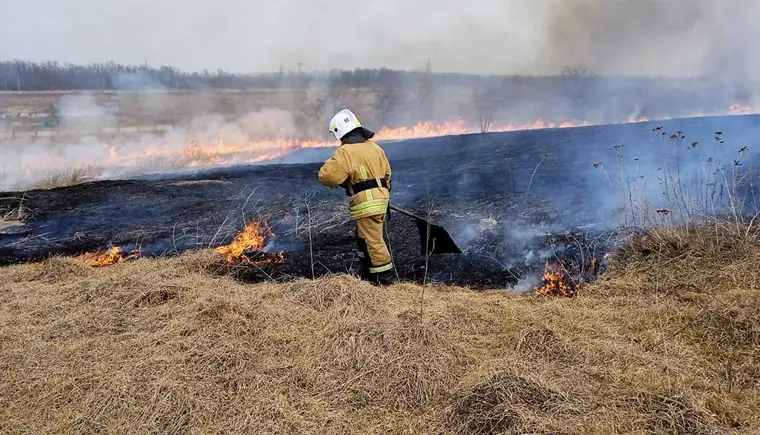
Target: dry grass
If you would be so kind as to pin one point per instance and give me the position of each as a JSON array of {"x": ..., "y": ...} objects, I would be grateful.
[
  {"x": 68, "y": 177},
  {"x": 667, "y": 343},
  {"x": 12, "y": 212},
  {"x": 9, "y": 223}
]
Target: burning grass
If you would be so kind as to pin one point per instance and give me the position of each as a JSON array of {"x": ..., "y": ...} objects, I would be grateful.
[
  {"x": 245, "y": 249},
  {"x": 182, "y": 150},
  {"x": 557, "y": 282},
  {"x": 249, "y": 243},
  {"x": 107, "y": 258},
  {"x": 666, "y": 342}
]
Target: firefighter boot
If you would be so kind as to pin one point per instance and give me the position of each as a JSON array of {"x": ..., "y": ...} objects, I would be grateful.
[{"x": 385, "y": 278}]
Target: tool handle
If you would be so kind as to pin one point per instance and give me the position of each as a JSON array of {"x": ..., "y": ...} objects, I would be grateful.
[{"x": 404, "y": 212}]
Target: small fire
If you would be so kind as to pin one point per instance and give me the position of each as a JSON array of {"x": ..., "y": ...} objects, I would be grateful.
[
  {"x": 107, "y": 258},
  {"x": 248, "y": 244},
  {"x": 557, "y": 282},
  {"x": 421, "y": 130},
  {"x": 636, "y": 119},
  {"x": 536, "y": 125},
  {"x": 740, "y": 109}
]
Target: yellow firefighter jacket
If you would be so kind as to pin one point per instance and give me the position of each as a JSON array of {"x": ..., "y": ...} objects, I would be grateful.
[{"x": 356, "y": 162}]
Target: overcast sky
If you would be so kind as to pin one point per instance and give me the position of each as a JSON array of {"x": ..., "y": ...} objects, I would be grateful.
[{"x": 669, "y": 37}]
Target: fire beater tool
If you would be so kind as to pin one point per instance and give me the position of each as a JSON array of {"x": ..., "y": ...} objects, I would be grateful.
[{"x": 439, "y": 240}]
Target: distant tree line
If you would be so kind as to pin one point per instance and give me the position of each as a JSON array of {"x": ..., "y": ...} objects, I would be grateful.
[
  {"x": 575, "y": 94},
  {"x": 19, "y": 75},
  {"x": 48, "y": 76}
]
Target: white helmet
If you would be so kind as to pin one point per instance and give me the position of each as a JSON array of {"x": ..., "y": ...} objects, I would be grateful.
[{"x": 343, "y": 122}]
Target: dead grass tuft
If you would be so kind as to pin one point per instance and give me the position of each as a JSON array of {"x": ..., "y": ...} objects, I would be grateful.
[
  {"x": 504, "y": 404},
  {"x": 69, "y": 177},
  {"x": 205, "y": 261},
  {"x": 343, "y": 291},
  {"x": 60, "y": 270},
  {"x": 209, "y": 262},
  {"x": 687, "y": 262},
  {"x": 721, "y": 241},
  {"x": 731, "y": 336},
  {"x": 543, "y": 344},
  {"x": 675, "y": 412},
  {"x": 154, "y": 297},
  {"x": 726, "y": 328},
  {"x": 13, "y": 212}
]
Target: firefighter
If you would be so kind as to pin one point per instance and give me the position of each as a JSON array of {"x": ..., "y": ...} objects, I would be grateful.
[{"x": 360, "y": 166}]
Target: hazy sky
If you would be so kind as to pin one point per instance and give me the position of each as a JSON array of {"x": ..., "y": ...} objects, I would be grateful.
[{"x": 671, "y": 37}]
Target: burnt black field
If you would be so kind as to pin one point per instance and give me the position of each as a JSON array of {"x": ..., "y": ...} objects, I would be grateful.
[{"x": 512, "y": 201}]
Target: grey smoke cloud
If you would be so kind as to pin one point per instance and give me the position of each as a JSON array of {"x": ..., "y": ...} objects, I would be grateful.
[
  {"x": 654, "y": 37},
  {"x": 669, "y": 37}
]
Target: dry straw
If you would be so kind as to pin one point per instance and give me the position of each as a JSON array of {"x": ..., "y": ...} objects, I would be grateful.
[{"x": 668, "y": 342}]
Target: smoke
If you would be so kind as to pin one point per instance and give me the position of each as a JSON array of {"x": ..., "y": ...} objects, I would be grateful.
[
  {"x": 82, "y": 112},
  {"x": 205, "y": 141},
  {"x": 134, "y": 81},
  {"x": 711, "y": 39},
  {"x": 269, "y": 123},
  {"x": 651, "y": 37},
  {"x": 694, "y": 38},
  {"x": 528, "y": 283}
]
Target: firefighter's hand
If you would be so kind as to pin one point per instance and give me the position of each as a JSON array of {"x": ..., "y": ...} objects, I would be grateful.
[{"x": 389, "y": 185}]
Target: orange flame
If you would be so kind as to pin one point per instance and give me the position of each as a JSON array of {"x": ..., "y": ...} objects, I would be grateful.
[
  {"x": 106, "y": 258},
  {"x": 556, "y": 282},
  {"x": 196, "y": 153},
  {"x": 422, "y": 130},
  {"x": 740, "y": 109},
  {"x": 251, "y": 238}
]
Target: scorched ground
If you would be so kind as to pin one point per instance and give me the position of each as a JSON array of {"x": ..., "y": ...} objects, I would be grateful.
[{"x": 512, "y": 201}]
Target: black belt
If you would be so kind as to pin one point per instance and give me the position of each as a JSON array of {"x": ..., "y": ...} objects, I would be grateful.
[{"x": 367, "y": 185}]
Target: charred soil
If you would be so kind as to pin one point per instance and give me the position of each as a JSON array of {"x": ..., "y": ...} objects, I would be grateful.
[{"x": 512, "y": 201}]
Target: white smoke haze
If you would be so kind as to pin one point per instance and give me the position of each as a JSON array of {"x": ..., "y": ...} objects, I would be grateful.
[
  {"x": 82, "y": 112},
  {"x": 46, "y": 162},
  {"x": 134, "y": 80},
  {"x": 519, "y": 238},
  {"x": 649, "y": 37},
  {"x": 528, "y": 283},
  {"x": 269, "y": 123}
]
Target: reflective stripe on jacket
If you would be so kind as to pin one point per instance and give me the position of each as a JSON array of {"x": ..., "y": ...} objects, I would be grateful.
[{"x": 356, "y": 162}]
